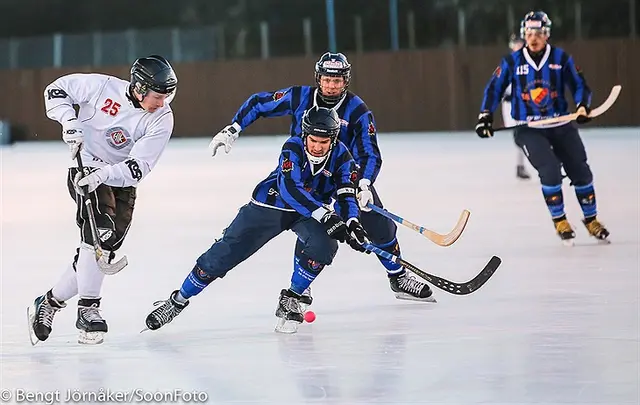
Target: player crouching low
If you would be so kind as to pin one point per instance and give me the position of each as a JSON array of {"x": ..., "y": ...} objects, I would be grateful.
[{"x": 295, "y": 196}]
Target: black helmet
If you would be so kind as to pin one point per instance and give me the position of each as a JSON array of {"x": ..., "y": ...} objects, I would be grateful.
[
  {"x": 336, "y": 65},
  {"x": 321, "y": 122},
  {"x": 153, "y": 73}
]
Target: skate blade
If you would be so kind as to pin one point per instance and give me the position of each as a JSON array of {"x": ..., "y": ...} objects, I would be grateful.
[
  {"x": 568, "y": 242},
  {"x": 90, "y": 338},
  {"x": 408, "y": 297},
  {"x": 285, "y": 326},
  {"x": 31, "y": 310}
]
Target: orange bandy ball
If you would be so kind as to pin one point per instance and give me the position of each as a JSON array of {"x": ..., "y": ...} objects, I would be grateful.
[{"x": 309, "y": 316}]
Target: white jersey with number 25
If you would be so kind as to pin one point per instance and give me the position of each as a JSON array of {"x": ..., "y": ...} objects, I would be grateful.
[{"x": 116, "y": 133}]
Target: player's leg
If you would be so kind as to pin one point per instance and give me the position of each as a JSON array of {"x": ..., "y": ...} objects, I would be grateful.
[
  {"x": 537, "y": 147},
  {"x": 570, "y": 150},
  {"x": 521, "y": 171},
  {"x": 382, "y": 233},
  {"x": 313, "y": 251},
  {"x": 248, "y": 232}
]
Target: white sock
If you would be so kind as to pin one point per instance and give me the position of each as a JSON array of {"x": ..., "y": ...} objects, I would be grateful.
[
  {"x": 89, "y": 276},
  {"x": 67, "y": 286}
]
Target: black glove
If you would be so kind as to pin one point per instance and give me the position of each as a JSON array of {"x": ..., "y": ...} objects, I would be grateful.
[
  {"x": 357, "y": 236},
  {"x": 583, "y": 119},
  {"x": 484, "y": 127},
  {"x": 335, "y": 226}
]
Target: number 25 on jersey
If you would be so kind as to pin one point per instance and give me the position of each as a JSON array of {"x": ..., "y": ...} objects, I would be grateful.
[{"x": 110, "y": 107}]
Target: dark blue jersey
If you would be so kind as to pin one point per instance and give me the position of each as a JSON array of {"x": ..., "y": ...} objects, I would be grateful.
[
  {"x": 358, "y": 129},
  {"x": 293, "y": 186},
  {"x": 537, "y": 89}
]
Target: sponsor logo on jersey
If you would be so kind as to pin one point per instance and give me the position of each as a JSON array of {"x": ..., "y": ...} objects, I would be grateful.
[
  {"x": 118, "y": 138},
  {"x": 104, "y": 234},
  {"x": 371, "y": 130},
  {"x": 497, "y": 72},
  {"x": 327, "y": 173},
  {"x": 287, "y": 166},
  {"x": 354, "y": 176},
  {"x": 278, "y": 95},
  {"x": 555, "y": 66}
]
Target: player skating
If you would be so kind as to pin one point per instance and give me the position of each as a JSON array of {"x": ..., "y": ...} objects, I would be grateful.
[
  {"x": 120, "y": 131},
  {"x": 538, "y": 74}
]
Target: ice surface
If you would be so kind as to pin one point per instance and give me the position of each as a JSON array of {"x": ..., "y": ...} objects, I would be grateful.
[{"x": 554, "y": 324}]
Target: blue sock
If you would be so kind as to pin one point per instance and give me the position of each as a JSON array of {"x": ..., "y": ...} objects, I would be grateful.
[
  {"x": 305, "y": 270},
  {"x": 553, "y": 198},
  {"x": 195, "y": 282},
  {"x": 587, "y": 198},
  {"x": 394, "y": 248}
]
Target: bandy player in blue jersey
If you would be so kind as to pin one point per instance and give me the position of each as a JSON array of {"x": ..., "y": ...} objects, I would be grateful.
[
  {"x": 538, "y": 74},
  {"x": 312, "y": 169},
  {"x": 357, "y": 131}
]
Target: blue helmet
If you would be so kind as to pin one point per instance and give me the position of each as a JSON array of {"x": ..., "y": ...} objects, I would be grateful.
[{"x": 536, "y": 20}]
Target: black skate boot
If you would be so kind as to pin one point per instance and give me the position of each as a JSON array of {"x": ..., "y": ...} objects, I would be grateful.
[
  {"x": 522, "y": 173},
  {"x": 289, "y": 312},
  {"x": 596, "y": 229},
  {"x": 564, "y": 230},
  {"x": 407, "y": 287},
  {"x": 165, "y": 313},
  {"x": 40, "y": 315},
  {"x": 306, "y": 299},
  {"x": 91, "y": 325}
]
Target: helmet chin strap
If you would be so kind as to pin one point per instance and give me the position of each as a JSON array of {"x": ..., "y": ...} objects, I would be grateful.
[{"x": 317, "y": 162}]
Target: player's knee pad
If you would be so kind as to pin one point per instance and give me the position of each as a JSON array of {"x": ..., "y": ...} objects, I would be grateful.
[{"x": 321, "y": 249}]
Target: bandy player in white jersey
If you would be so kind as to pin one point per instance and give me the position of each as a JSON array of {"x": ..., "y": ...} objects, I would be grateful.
[
  {"x": 515, "y": 44},
  {"x": 121, "y": 130}
]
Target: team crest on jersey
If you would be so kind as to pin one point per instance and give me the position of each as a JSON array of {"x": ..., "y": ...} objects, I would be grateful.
[
  {"x": 278, "y": 95},
  {"x": 118, "y": 137},
  {"x": 540, "y": 93},
  {"x": 287, "y": 166},
  {"x": 371, "y": 130}
]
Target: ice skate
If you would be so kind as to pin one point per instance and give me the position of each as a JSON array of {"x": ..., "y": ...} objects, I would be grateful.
[
  {"x": 166, "y": 312},
  {"x": 306, "y": 299},
  {"x": 40, "y": 315},
  {"x": 596, "y": 229},
  {"x": 407, "y": 287},
  {"x": 90, "y": 324},
  {"x": 564, "y": 231},
  {"x": 522, "y": 173},
  {"x": 289, "y": 312}
]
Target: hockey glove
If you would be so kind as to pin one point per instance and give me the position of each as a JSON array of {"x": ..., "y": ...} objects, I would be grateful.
[
  {"x": 584, "y": 111},
  {"x": 91, "y": 181},
  {"x": 73, "y": 136},
  {"x": 225, "y": 138},
  {"x": 335, "y": 226},
  {"x": 484, "y": 127},
  {"x": 357, "y": 235},
  {"x": 365, "y": 195}
]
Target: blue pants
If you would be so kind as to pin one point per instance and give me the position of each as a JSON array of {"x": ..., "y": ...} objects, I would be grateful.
[{"x": 253, "y": 227}]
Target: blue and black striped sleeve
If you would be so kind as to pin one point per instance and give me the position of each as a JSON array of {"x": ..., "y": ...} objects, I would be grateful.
[
  {"x": 576, "y": 82},
  {"x": 345, "y": 179},
  {"x": 291, "y": 185},
  {"x": 264, "y": 104},
  {"x": 364, "y": 147},
  {"x": 496, "y": 87}
]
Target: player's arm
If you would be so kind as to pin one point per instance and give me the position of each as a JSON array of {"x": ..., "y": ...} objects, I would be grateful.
[
  {"x": 291, "y": 186},
  {"x": 64, "y": 92},
  {"x": 142, "y": 158},
  {"x": 347, "y": 204},
  {"x": 264, "y": 104},
  {"x": 577, "y": 84},
  {"x": 493, "y": 93},
  {"x": 365, "y": 150}
]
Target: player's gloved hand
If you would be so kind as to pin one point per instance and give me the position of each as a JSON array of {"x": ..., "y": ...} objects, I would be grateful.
[
  {"x": 364, "y": 195},
  {"x": 73, "y": 136},
  {"x": 583, "y": 112},
  {"x": 335, "y": 226},
  {"x": 357, "y": 235},
  {"x": 226, "y": 137},
  {"x": 91, "y": 180},
  {"x": 484, "y": 127}
]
